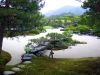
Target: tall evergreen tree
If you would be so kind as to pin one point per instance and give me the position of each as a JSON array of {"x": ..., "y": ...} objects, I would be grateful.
[
  {"x": 93, "y": 12},
  {"x": 18, "y": 16}
]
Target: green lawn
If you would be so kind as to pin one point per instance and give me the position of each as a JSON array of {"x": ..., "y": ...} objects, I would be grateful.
[{"x": 46, "y": 66}]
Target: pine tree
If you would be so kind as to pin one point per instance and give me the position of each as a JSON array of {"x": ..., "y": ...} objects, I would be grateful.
[{"x": 18, "y": 17}]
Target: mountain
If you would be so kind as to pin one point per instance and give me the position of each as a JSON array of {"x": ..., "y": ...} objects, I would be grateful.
[{"x": 66, "y": 9}]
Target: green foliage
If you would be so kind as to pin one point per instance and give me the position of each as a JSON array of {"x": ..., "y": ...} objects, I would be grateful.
[
  {"x": 4, "y": 59},
  {"x": 70, "y": 27},
  {"x": 39, "y": 41},
  {"x": 35, "y": 31},
  {"x": 55, "y": 36},
  {"x": 93, "y": 6},
  {"x": 93, "y": 14},
  {"x": 47, "y": 27},
  {"x": 63, "y": 40},
  {"x": 17, "y": 17},
  {"x": 88, "y": 20},
  {"x": 83, "y": 29},
  {"x": 62, "y": 20},
  {"x": 67, "y": 34},
  {"x": 96, "y": 30}
]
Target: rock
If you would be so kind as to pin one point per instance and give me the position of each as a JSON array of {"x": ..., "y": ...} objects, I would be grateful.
[
  {"x": 27, "y": 55},
  {"x": 26, "y": 58},
  {"x": 27, "y": 62},
  {"x": 16, "y": 69},
  {"x": 8, "y": 72},
  {"x": 98, "y": 37},
  {"x": 21, "y": 66}
]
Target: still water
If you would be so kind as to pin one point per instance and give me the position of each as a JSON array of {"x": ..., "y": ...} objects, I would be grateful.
[{"x": 16, "y": 46}]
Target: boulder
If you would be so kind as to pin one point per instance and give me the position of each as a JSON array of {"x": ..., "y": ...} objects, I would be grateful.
[
  {"x": 16, "y": 69},
  {"x": 27, "y": 62},
  {"x": 8, "y": 72}
]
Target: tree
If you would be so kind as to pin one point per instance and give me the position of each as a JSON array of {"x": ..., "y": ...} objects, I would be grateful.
[
  {"x": 18, "y": 17},
  {"x": 93, "y": 5},
  {"x": 39, "y": 41},
  {"x": 93, "y": 12}
]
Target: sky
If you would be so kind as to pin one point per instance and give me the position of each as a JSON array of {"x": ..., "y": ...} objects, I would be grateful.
[{"x": 56, "y": 4}]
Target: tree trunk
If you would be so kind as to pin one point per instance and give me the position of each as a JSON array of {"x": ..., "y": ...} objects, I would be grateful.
[
  {"x": 2, "y": 26},
  {"x": 1, "y": 37}
]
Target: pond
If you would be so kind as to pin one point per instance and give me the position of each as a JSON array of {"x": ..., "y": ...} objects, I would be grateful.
[{"x": 16, "y": 46}]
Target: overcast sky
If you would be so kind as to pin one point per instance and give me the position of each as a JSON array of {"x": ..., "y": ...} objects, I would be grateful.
[{"x": 56, "y": 4}]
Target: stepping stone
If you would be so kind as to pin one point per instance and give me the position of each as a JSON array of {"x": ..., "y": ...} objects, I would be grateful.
[
  {"x": 26, "y": 58},
  {"x": 16, "y": 69},
  {"x": 27, "y": 62},
  {"x": 8, "y": 72},
  {"x": 21, "y": 66},
  {"x": 28, "y": 55},
  {"x": 33, "y": 51}
]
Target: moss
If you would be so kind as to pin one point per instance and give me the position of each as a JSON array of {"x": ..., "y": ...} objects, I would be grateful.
[
  {"x": 46, "y": 66},
  {"x": 4, "y": 58}
]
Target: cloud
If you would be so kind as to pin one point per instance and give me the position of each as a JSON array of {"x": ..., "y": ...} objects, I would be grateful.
[{"x": 56, "y": 4}]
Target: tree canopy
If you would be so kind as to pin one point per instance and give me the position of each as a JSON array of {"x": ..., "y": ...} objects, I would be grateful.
[
  {"x": 93, "y": 14},
  {"x": 19, "y": 16},
  {"x": 93, "y": 11}
]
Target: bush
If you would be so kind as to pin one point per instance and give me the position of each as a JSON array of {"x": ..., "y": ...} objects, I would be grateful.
[
  {"x": 4, "y": 58},
  {"x": 47, "y": 27},
  {"x": 70, "y": 27},
  {"x": 38, "y": 41},
  {"x": 35, "y": 31},
  {"x": 83, "y": 29},
  {"x": 96, "y": 30},
  {"x": 63, "y": 40}
]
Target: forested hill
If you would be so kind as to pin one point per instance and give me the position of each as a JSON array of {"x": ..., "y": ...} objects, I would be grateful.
[{"x": 66, "y": 9}]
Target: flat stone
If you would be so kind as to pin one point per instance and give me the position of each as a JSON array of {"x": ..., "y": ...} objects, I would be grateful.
[
  {"x": 21, "y": 66},
  {"x": 8, "y": 72},
  {"x": 26, "y": 58},
  {"x": 27, "y": 62},
  {"x": 28, "y": 55},
  {"x": 33, "y": 51},
  {"x": 16, "y": 69}
]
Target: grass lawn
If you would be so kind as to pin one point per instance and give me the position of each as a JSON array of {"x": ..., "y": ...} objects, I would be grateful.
[{"x": 46, "y": 66}]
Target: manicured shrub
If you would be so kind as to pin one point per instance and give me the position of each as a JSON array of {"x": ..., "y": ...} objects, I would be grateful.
[{"x": 83, "y": 29}]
